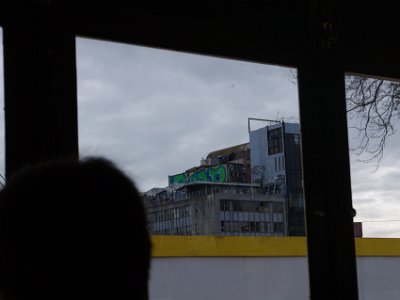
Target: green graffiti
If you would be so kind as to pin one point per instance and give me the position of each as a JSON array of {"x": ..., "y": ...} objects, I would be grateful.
[
  {"x": 180, "y": 178},
  {"x": 211, "y": 174},
  {"x": 217, "y": 174},
  {"x": 198, "y": 176}
]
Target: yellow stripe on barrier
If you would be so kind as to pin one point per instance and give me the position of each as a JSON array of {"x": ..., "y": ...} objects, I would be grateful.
[
  {"x": 198, "y": 246},
  {"x": 377, "y": 247},
  {"x": 169, "y": 246}
]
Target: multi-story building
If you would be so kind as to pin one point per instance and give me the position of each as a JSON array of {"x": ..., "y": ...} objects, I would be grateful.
[
  {"x": 276, "y": 167},
  {"x": 248, "y": 189},
  {"x": 216, "y": 208}
]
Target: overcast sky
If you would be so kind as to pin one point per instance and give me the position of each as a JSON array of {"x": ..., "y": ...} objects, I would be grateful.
[
  {"x": 376, "y": 191},
  {"x": 157, "y": 113}
]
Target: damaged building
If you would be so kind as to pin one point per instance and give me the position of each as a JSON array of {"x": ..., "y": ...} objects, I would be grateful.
[{"x": 248, "y": 189}]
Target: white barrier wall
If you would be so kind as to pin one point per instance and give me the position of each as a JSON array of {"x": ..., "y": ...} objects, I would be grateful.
[{"x": 253, "y": 278}]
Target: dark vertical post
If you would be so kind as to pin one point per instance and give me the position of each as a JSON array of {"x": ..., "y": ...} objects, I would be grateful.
[
  {"x": 40, "y": 85},
  {"x": 326, "y": 169}
]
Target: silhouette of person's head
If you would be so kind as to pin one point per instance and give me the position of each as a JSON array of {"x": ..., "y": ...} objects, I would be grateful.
[{"x": 73, "y": 230}]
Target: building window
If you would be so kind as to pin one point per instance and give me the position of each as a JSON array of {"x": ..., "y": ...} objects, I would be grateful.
[
  {"x": 270, "y": 227},
  {"x": 278, "y": 228},
  {"x": 296, "y": 139},
  {"x": 275, "y": 144},
  {"x": 225, "y": 205},
  {"x": 278, "y": 208},
  {"x": 264, "y": 206}
]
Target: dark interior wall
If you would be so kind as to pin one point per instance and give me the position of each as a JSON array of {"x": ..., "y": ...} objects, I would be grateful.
[
  {"x": 322, "y": 39},
  {"x": 40, "y": 85}
]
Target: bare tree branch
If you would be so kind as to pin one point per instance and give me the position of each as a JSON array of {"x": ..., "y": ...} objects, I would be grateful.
[{"x": 372, "y": 106}]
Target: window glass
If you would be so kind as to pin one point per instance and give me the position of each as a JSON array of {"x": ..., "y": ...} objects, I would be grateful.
[
  {"x": 374, "y": 120},
  {"x": 275, "y": 143},
  {"x": 194, "y": 130},
  {"x": 373, "y": 113},
  {"x": 206, "y": 135}
]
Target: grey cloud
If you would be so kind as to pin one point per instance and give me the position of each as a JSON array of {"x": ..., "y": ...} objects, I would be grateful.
[
  {"x": 169, "y": 109},
  {"x": 382, "y": 230}
]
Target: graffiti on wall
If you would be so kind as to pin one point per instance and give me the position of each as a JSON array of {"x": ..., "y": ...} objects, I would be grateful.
[
  {"x": 221, "y": 173},
  {"x": 211, "y": 174},
  {"x": 179, "y": 178},
  {"x": 238, "y": 173}
]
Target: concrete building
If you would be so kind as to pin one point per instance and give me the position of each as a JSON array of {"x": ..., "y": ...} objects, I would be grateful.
[
  {"x": 276, "y": 167},
  {"x": 215, "y": 208},
  {"x": 248, "y": 189}
]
